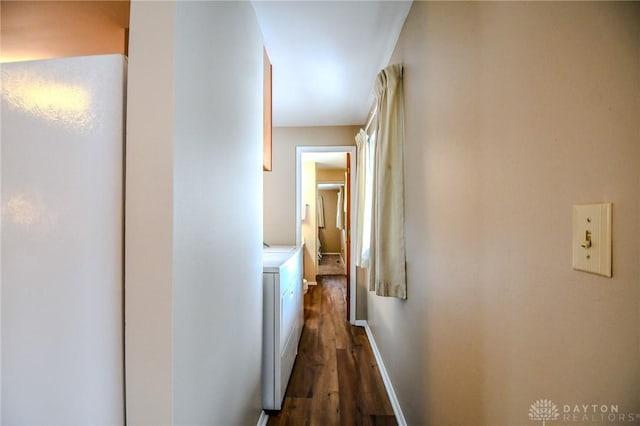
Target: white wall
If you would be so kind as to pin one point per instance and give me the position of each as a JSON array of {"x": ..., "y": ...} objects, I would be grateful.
[
  {"x": 194, "y": 298},
  {"x": 514, "y": 113},
  {"x": 217, "y": 214}
]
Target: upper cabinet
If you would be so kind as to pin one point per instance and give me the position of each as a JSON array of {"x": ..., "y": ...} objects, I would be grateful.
[{"x": 266, "y": 147}]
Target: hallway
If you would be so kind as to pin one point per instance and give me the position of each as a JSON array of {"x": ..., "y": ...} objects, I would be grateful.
[{"x": 335, "y": 380}]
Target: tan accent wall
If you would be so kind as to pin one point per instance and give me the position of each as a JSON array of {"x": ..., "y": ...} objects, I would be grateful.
[
  {"x": 514, "y": 113},
  {"x": 330, "y": 234},
  {"x": 331, "y": 175},
  {"x": 335, "y": 237}
]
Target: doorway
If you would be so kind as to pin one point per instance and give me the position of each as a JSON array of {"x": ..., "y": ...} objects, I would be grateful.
[{"x": 307, "y": 159}]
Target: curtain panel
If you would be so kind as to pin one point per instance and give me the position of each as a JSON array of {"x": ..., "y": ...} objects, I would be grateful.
[
  {"x": 362, "y": 209},
  {"x": 387, "y": 267}
]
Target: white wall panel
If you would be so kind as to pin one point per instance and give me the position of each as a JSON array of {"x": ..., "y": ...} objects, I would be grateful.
[
  {"x": 217, "y": 234},
  {"x": 194, "y": 214}
]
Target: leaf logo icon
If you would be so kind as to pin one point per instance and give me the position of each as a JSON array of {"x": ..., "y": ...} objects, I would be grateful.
[{"x": 543, "y": 409}]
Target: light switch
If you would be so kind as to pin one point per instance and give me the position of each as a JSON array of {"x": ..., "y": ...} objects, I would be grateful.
[{"x": 592, "y": 238}]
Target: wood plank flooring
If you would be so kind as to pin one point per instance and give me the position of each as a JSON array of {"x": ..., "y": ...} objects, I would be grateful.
[{"x": 335, "y": 380}]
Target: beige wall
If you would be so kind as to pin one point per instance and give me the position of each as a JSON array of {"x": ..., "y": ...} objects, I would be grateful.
[
  {"x": 330, "y": 234},
  {"x": 149, "y": 195},
  {"x": 331, "y": 175},
  {"x": 335, "y": 238},
  {"x": 280, "y": 184},
  {"x": 514, "y": 113}
]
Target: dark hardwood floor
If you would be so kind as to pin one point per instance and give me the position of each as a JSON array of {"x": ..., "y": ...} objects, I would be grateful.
[{"x": 335, "y": 380}]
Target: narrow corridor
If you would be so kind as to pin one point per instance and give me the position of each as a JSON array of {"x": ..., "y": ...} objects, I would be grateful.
[{"x": 335, "y": 380}]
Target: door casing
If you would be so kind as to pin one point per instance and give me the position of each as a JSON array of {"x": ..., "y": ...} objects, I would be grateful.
[{"x": 338, "y": 149}]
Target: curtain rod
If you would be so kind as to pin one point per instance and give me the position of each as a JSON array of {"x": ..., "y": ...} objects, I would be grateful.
[{"x": 372, "y": 114}]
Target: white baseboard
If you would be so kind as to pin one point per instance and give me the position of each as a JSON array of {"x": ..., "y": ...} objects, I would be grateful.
[
  {"x": 385, "y": 376},
  {"x": 264, "y": 418}
]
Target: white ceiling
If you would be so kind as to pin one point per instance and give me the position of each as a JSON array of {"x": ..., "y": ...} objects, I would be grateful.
[{"x": 326, "y": 55}]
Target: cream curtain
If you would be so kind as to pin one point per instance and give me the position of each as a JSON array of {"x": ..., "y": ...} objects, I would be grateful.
[
  {"x": 387, "y": 267},
  {"x": 363, "y": 206}
]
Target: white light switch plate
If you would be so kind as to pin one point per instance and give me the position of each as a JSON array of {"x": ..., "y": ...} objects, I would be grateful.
[{"x": 592, "y": 222}]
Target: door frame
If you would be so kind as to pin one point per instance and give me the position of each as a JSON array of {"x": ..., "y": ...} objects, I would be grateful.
[{"x": 350, "y": 149}]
